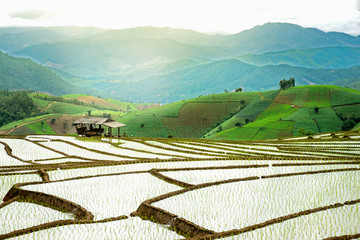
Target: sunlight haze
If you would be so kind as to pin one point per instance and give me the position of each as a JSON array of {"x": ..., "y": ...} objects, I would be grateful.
[{"x": 210, "y": 16}]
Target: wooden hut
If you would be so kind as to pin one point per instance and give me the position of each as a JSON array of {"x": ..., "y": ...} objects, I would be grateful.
[{"x": 97, "y": 126}]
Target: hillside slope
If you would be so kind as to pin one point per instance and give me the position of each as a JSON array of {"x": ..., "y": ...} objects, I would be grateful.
[
  {"x": 20, "y": 73},
  {"x": 227, "y": 74},
  {"x": 295, "y": 112},
  {"x": 250, "y": 115},
  {"x": 273, "y": 37},
  {"x": 327, "y": 57}
]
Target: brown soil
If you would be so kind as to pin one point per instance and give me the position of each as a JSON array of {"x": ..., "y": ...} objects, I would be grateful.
[
  {"x": 48, "y": 201},
  {"x": 344, "y": 237},
  {"x": 56, "y": 224},
  {"x": 63, "y": 124},
  {"x": 97, "y": 101},
  {"x": 180, "y": 225}
]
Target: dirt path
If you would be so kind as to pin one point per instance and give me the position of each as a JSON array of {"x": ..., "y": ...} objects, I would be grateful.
[
  {"x": 48, "y": 106},
  {"x": 13, "y": 129},
  {"x": 261, "y": 96}
]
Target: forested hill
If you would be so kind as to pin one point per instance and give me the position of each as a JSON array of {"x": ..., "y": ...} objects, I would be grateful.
[
  {"x": 15, "y": 106},
  {"x": 21, "y": 73}
]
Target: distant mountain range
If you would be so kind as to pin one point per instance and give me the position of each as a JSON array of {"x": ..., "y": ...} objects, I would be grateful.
[{"x": 166, "y": 65}]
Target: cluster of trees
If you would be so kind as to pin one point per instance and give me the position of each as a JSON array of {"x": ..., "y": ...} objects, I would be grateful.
[
  {"x": 236, "y": 90},
  {"x": 15, "y": 106},
  {"x": 284, "y": 84}
]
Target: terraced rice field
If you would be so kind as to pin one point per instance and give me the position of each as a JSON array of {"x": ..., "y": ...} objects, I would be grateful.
[{"x": 59, "y": 187}]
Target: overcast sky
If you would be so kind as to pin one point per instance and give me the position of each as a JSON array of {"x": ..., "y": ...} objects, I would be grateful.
[{"x": 224, "y": 16}]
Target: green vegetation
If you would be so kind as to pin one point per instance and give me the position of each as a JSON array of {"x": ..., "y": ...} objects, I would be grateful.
[
  {"x": 249, "y": 113},
  {"x": 143, "y": 125},
  {"x": 235, "y": 134},
  {"x": 41, "y": 104},
  {"x": 293, "y": 114},
  {"x": 302, "y": 120},
  {"x": 72, "y": 109},
  {"x": 232, "y": 115},
  {"x": 262, "y": 115},
  {"x": 21, "y": 73},
  {"x": 279, "y": 129},
  {"x": 27, "y": 120},
  {"x": 73, "y": 96},
  {"x": 191, "y": 118},
  {"x": 318, "y": 96},
  {"x": 273, "y": 113},
  {"x": 326, "y": 119},
  {"x": 16, "y": 106},
  {"x": 122, "y": 105},
  {"x": 284, "y": 84},
  {"x": 41, "y": 127},
  {"x": 341, "y": 97},
  {"x": 348, "y": 111}
]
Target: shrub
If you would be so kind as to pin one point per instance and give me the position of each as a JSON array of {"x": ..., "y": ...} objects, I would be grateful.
[{"x": 348, "y": 125}]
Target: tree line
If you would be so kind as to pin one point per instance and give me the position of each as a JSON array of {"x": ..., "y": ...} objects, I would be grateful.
[
  {"x": 15, "y": 106},
  {"x": 284, "y": 84}
]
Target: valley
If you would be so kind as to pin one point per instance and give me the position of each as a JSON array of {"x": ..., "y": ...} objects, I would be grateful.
[{"x": 165, "y": 65}]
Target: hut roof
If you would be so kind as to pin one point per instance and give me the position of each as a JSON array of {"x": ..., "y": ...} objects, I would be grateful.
[
  {"x": 91, "y": 120},
  {"x": 113, "y": 124}
]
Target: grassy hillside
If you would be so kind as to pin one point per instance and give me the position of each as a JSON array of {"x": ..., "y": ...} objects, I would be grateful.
[
  {"x": 110, "y": 103},
  {"x": 293, "y": 113},
  {"x": 250, "y": 115},
  {"x": 273, "y": 114},
  {"x": 191, "y": 118},
  {"x": 58, "y": 113}
]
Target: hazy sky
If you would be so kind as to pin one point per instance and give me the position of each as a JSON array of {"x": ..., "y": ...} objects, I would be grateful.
[{"x": 227, "y": 16}]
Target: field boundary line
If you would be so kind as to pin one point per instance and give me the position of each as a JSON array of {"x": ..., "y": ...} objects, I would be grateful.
[
  {"x": 147, "y": 211},
  {"x": 55, "y": 224},
  {"x": 275, "y": 221}
]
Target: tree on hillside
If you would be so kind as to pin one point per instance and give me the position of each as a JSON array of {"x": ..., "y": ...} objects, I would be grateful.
[
  {"x": 284, "y": 84},
  {"x": 238, "y": 89},
  {"x": 348, "y": 125},
  {"x": 292, "y": 82}
]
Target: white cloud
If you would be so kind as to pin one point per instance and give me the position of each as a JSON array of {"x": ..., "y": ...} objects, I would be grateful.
[{"x": 33, "y": 14}]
